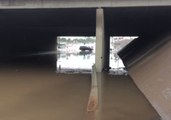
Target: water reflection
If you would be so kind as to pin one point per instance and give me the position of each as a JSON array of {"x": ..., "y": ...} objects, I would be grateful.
[
  {"x": 83, "y": 60},
  {"x": 79, "y": 55},
  {"x": 75, "y": 61}
]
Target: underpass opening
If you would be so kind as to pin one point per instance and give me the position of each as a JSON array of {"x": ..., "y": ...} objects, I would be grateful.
[
  {"x": 75, "y": 53},
  {"x": 28, "y": 36},
  {"x": 117, "y": 43}
]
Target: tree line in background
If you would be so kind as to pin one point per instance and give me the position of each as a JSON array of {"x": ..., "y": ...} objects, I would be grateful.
[{"x": 76, "y": 40}]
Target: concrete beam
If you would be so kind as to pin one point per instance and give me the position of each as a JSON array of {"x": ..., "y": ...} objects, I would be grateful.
[
  {"x": 152, "y": 76},
  {"x": 100, "y": 40},
  {"x": 29, "y": 4}
]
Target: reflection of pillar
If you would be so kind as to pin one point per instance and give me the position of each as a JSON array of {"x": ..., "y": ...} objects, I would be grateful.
[{"x": 100, "y": 59}]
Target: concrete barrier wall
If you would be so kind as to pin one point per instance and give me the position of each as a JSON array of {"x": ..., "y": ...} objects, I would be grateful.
[{"x": 152, "y": 75}]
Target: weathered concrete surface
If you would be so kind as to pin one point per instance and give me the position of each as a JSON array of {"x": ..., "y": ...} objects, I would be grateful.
[
  {"x": 80, "y": 3},
  {"x": 43, "y": 95},
  {"x": 152, "y": 75}
]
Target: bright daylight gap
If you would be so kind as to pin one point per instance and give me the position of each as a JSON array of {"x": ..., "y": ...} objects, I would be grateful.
[
  {"x": 116, "y": 44},
  {"x": 77, "y": 54}
]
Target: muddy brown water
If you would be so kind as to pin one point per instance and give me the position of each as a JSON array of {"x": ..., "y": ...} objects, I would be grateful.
[{"x": 45, "y": 95}]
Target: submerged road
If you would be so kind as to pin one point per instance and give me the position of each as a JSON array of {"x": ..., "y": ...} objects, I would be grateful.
[
  {"x": 34, "y": 95},
  {"x": 45, "y": 95}
]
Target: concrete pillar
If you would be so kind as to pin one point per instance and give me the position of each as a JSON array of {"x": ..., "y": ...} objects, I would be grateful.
[
  {"x": 107, "y": 52},
  {"x": 100, "y": 47},
  {"x": 152, "y": 75}
]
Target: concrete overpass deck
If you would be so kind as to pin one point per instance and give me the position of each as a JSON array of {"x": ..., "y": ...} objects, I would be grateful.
[{"x": 30, "y": 4}]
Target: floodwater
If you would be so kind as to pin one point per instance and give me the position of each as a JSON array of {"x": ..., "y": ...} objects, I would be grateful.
[
  {"x": 36, "y": 94},
  {"x": 77, "y": 61},
  {"x": 43, "y": 95},
  {"x": 83, "y": 61}
]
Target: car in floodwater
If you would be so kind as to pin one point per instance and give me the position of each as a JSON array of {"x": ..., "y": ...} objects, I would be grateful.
[{"x": 84, "y": 48}]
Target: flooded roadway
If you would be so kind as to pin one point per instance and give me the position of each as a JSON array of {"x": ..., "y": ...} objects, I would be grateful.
[{"x": 45, "y": 95}]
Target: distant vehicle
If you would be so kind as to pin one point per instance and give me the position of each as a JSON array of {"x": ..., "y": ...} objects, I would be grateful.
[{"x": 84, "y": 48}]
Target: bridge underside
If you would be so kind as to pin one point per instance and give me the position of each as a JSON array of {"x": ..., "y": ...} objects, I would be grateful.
[
  {"x": 26, "y": 31},
  {"x": 29, "y": 31},
  {"x": 138, "y": 21}
]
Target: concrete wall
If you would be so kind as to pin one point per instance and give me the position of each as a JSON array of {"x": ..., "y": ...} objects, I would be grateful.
[
  {"x": 79, "y": 3},
  {"x": 152, "y": 75}
]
